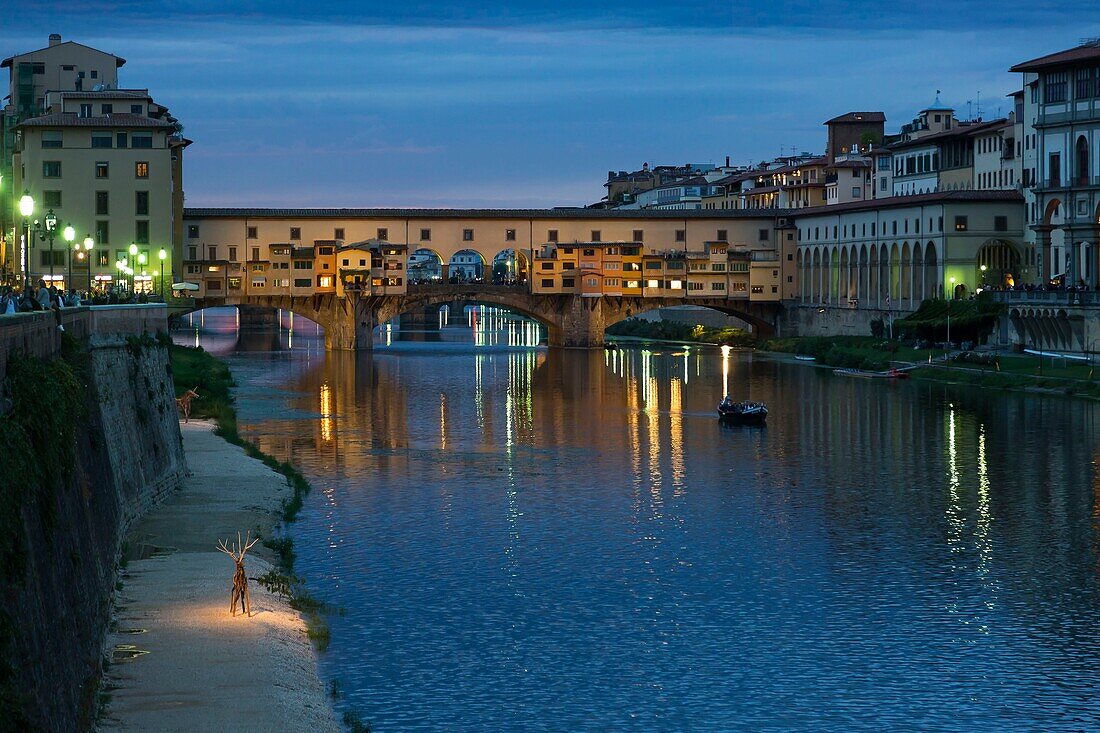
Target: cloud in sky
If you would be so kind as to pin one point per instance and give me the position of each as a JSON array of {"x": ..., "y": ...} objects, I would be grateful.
[{"x": 530, "y": 103}]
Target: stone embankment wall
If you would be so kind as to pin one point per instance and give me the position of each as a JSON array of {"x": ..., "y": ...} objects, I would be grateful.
[
  {"x": 813, "y": 320},
  {"x": 128, "y": 455}
]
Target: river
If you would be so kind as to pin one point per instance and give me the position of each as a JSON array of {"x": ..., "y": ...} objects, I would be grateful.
[{"x": 535, "y": 540}]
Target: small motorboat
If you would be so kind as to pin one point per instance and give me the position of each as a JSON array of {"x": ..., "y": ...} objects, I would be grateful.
[
  {"x": 865, "y": 374},
  {"x": 742, "y": 413},
  {"x": 805, "y": 357}
]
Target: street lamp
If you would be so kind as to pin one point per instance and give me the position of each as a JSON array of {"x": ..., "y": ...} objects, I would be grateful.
[
  {"x": 69, "y": 234},
  {"x": 162, "y": 254},
  {"x": 89, "y": 243},
  {"x": 26, "y": 210},
  {"x": 120, "y": 266},
  {"x": 51, "y": 224},
  {"x": 142, "y": 259}
]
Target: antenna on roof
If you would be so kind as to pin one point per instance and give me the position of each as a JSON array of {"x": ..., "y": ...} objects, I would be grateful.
[{"x": 979, "y": 104}]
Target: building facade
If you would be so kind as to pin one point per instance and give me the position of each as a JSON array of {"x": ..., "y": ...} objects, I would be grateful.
[{"x": 106, "y": 161}]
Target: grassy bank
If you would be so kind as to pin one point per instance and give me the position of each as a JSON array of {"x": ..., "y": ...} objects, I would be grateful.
[
  {"x": 677, "y": 331},
  {"x": 194, "y": 368},
  {"x": 999, "y": 371}
]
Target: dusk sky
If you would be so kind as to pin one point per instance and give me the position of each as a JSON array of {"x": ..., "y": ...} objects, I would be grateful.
[{"x": 530, "y": 103}]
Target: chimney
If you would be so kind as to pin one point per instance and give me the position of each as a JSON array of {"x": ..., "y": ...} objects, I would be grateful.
[
  {"x": 55, "y": 38},
  {"x": 727, "y": 161}
]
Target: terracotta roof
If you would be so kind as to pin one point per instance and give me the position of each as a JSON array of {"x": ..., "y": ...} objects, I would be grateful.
[
  {"x": 116, "y": 93},
  {"x": 958, "y": 130},
  {"x": 894, "y": 202},
  {"x": 119, "y": 61},
  {"x": 851, "y": 164},
  {"x": 70, "y": 119},
  {"x": 1085, "y": 52},
  {"x": 858, "y": 117}
]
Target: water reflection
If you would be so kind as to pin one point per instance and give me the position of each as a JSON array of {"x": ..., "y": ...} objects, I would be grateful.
[{"x": 547, "y": 540}]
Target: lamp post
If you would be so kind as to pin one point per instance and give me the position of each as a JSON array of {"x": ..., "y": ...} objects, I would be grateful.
[
  {"x": 89, "y": 243},
  {"x": 162, "y": 254},
  {"x": 130, "y": 263},
  {"x": 952, "y": 281},
  {"x": 26, "y": 210},
  {"x": 142, "y": 260},
  {"x": 69, "y": 234},
  {"x": 50, "y": 223},
  {"x": 983, "y": 269},
  {"x": 119, "y": 267}
]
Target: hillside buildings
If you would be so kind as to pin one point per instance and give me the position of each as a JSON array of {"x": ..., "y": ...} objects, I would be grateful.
[{"x": 105, "y": 160}]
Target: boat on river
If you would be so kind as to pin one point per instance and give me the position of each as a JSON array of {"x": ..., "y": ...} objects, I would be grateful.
[
  {"x": 742, "y": 413},
  {"x": 867, "y": 374},
  {"x": 805, "y": 357}
]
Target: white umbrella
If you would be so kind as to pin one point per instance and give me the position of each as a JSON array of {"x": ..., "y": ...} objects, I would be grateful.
[{"x": 185, "y": 286}]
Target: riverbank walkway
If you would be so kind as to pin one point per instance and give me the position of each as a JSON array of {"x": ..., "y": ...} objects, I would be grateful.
[{"x": 180, "y": 662}]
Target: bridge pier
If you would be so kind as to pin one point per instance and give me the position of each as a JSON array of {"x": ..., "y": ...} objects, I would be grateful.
[
  {"x": 580, "y": 324},
  {"x": 257, "y": 316}
]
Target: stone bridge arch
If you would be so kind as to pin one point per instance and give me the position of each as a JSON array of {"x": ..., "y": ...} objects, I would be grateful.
[{"x": 325, "y": 310}]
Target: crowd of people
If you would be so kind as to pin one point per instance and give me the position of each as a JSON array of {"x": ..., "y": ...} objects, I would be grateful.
[{"x": 37, "y": 298}]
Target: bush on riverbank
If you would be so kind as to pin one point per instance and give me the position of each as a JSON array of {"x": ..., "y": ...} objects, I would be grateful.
[
  {"x": 971, "y": 320},
  {"x": 846, "y": 352},
  {"x": 679, "y": 331}
]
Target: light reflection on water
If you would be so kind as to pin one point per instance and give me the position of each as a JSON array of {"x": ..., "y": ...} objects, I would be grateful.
[{"x": 544, "y": 540}]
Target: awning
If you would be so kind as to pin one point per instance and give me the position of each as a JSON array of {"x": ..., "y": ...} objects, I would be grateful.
[{"x": 185, "y": 286}]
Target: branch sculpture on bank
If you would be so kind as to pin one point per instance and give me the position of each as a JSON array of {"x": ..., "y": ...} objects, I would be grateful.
[
  {"x": 183, "y": 403},
  {"x": 239, "y": 591}
]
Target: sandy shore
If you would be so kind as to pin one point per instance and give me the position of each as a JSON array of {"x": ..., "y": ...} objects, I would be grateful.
[{"x": 193, "y": 667}]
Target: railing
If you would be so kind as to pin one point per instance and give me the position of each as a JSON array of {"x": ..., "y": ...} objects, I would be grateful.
[{"x": 1047, "y": 297}]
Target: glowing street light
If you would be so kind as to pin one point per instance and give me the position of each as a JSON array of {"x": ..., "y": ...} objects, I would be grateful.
[
  {"x": 89, "y": 244},
  {"x": 162, "y": 254},
  {"x": 26, "y": 210},
  {"x": 69, "y": 234},
  {"x": 952, "y": 281}
]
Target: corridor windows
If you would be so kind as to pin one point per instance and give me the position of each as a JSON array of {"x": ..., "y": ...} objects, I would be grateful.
[
  {"x": 961, "y": 224},
  {"x": 1055, "y": 87}
]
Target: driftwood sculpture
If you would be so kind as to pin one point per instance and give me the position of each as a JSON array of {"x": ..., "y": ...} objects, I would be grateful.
[
  {"x": 239, "y": 592},
  {"x": 183, "y": 403}
]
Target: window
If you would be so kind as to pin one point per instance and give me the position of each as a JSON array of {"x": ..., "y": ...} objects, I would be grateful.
[
  {"x": 547, "y": 283},
  {"x": 856, "y": 191},
  {"x": 338, "y": 233},
  {"x": 1000, "y": 223},
  {"x": 568, "y": 282},
  {"x": 723, "y": 235},
  {"x": 95, "y": 74},
  {"x": 51, "y": 169},
  {"x": 717, "y": 286},
  {"x": 1055, "y": 169},
  {"x": 135, "y": 109},
  {"x": 232, "y": 254},
  {"x": 120, "y": 140},
  {"x": 552, "y": 235},
  {"x": 51, "y": 138},
  {"x": 546, "y": 265},
  {"x": 595, "y": 235},
  {"x": 509, "y": 235},
  {"x": 1055, "y": 87},
  {"x": 141, "y": 203},
  {"x": 251, "y": 233},
  {"x": 762, "y": 235},
  {"x": 383, "y": 234},
  {"x": 56, "y": 257},
  {"x": 589, "y": 253},
  {"x": 295, "y": 232},
  {"x": 141, "y": 169},
  {"x": 51, "y": 199},
  {"x": 303, "y": 265},
  {"x": 141, "y": 232},
  {"x": 192, "y": 232},
  {"x": 85, "y": 110},
  {"x": 303, "y": 282},
  {"x": 569, "y": 265},
  {"x": 102, "y": 169},
  {"x": 212, "y": 252},
  {"x": 102, "y": 232},
  {"x": 467, "y": 235},
  {"x": 192, "y": 253},
  {"x": 638, "y": 235},
  {"x": 141, "y": 140},
  {"x": 103, "y": 257},
  {"x": 106, "y": 109},
  {"x": 101, "y": 204},
  {"x": 681, "y": 235},
  {"x": 425, "y": 235},
  {"x": 960, "y": 224}
]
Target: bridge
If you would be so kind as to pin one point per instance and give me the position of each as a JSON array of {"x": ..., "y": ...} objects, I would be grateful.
[{"x": 571, "y": 320}]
